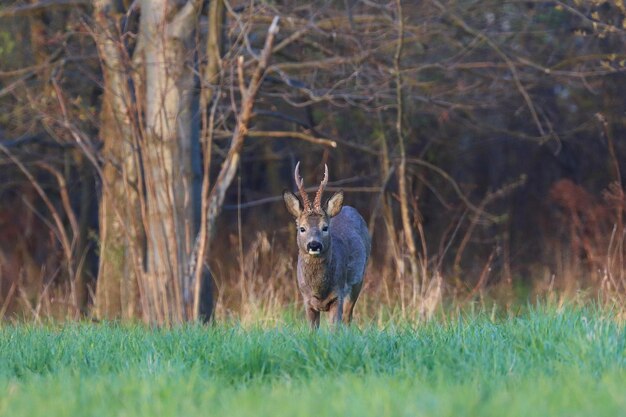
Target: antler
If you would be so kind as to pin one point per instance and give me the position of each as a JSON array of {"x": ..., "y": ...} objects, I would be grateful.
[
  {"x": 317, "y": 204},
  {"x": 300, "y": 184}
]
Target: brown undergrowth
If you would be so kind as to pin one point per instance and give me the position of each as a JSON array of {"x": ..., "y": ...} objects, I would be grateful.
[{"x": 254, "y": 268}]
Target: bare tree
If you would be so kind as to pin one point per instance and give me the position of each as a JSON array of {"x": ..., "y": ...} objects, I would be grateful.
[{"x": 147, "y": 174}]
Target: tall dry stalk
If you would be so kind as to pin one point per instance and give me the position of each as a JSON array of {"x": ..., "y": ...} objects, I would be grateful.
[{"x": 402, "y": 186}]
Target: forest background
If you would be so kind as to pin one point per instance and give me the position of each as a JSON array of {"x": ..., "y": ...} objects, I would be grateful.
[{"x": 144, "y": 146}]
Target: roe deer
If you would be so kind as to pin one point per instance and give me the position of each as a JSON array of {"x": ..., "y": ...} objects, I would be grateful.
[{"x": 333, "y": 248}]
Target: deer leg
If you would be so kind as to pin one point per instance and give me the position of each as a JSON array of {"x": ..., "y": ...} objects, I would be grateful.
[
  {"x": 313, "y": 316},
  {"x": 348, "y": 306},
  {"x": 336, "y": 311}
]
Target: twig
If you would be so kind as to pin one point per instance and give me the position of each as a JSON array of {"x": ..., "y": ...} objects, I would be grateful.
[
  {"x": 483, "y": 275},
  {"x": 297, "y": 135},
  {"x": 61, "y": 234},
  {"x": 522, "y": 90},
  {"x": 40, "y": 5},
  {"x": 456, "y": 188}
]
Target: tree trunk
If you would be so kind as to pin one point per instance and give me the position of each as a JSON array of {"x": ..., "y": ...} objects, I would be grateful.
[
  {"x": 167, "y": 153},
  {"x": 200, "y": 287},
  {"x": 120, "y": 242}
]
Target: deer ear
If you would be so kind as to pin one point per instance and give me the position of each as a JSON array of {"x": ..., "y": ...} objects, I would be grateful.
[
  {"x": 334, "y": 204},
  {"x": 294, "y": 207}
]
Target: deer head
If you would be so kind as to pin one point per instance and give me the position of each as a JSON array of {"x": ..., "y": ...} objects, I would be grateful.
[{"x": 312, "y": 222}]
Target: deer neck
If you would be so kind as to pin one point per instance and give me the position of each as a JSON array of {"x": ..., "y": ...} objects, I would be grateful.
[{"x": 318, "y": 272}]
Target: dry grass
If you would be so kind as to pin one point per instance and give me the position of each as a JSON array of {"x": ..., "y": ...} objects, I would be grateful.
[{"x": 254, "y": 270}]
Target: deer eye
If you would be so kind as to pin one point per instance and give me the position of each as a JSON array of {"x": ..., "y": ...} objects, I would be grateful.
[
  {"x": 325, "y": 229},
  {"x": 302, "y": 230}
]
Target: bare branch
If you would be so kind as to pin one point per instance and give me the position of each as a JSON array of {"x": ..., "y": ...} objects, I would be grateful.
[
  {"x": 455, "y": 187},
  {"x": 229, "y": 166},
  {"x": 513, "y": 69},
  {"x": 39, "y": 6},
  {"x": 297, "y": 135}
]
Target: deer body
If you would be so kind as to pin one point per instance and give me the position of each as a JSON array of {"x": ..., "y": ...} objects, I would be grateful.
[{"x": 333, "y": 249}]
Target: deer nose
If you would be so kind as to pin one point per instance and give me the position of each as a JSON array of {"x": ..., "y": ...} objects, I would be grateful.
[{"x": 314, "y": 246}]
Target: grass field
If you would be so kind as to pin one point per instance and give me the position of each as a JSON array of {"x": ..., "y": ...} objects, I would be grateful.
[{"x": 543, "y": 362}]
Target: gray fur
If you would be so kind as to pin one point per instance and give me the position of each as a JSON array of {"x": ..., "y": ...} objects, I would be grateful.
[{"x": 331, "y": 279}]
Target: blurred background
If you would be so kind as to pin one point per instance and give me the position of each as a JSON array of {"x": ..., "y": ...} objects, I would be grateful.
[{"x": 144, "y": 147}]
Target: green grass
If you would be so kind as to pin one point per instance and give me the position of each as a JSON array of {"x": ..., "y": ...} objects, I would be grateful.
[{"x": 543, "y": 363}]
